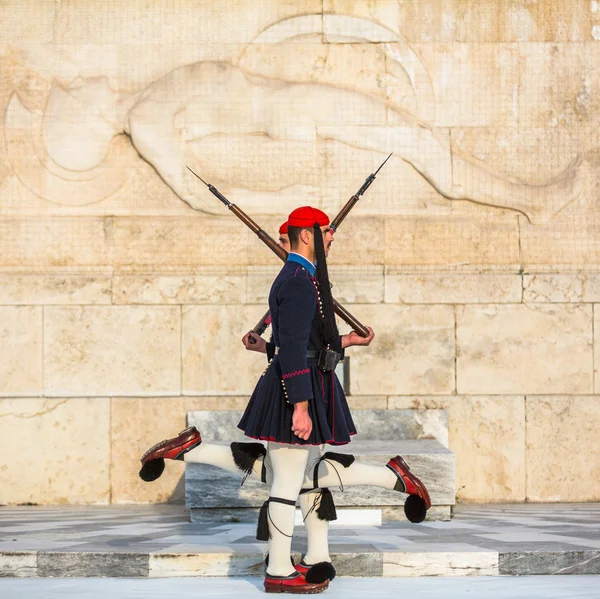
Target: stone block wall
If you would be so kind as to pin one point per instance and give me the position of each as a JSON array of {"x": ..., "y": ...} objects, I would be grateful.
[{"x": 125, "y": 287}]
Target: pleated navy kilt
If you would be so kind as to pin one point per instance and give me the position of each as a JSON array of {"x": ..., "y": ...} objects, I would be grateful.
[{"x": 268, "y": 416}]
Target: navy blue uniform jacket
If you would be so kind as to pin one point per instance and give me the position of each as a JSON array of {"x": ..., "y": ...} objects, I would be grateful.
[{"x": 291, "y": 377}]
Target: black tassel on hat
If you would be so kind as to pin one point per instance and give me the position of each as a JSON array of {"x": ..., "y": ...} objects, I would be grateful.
[
  {"x": 262, "y": 530},
  {"x": 327, "y": 325},
  {"x": 326, "y": 509}
]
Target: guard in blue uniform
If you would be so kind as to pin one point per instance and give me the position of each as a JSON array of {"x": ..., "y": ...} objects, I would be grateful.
[
  {"x": 293, "y": 375},
  {"x": 298, "y": 401},
  {"x": 298, "y": 406}
]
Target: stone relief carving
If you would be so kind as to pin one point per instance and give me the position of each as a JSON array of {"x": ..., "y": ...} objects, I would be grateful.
[{"x": 204, "y": 114}]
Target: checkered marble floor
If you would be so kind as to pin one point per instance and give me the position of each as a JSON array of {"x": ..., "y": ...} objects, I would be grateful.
[{"x": 160, "y": 541}]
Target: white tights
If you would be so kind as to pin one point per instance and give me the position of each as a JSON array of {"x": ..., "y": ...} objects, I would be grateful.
[
  {"x": 331, "y": 473},
  {"x": 290, "y": 468}
]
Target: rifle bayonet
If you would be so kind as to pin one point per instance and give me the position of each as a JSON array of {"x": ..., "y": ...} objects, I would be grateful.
[{"x": 335, "y": 223}]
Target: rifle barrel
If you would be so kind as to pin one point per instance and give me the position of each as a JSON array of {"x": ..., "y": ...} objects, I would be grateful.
[
  {"x": 281, "y": 253},
  {"x": 343, "y": 213},
  {"x": 212, "y": 189}
]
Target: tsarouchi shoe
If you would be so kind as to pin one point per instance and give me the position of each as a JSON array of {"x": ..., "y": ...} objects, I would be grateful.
[
  {"x": 301, "y": 584},
  {"x": 153, "y": 461},
  {"x": 418, "y": 502}
]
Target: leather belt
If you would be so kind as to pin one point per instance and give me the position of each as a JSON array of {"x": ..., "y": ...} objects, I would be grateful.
[{"x": 311, "y": 354}]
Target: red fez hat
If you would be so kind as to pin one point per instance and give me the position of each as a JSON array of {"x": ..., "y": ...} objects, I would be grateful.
[
  {"x": 283, "y": 228},
  {"x": 306, "y": 217}
]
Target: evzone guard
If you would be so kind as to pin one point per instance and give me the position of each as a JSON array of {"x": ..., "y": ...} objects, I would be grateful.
[
  {"x": 297, "y": 407},
  {"x": 317, "y": 528}
]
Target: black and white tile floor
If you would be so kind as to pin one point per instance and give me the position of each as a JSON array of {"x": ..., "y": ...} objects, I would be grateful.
[{"x": 143, "y": 541}]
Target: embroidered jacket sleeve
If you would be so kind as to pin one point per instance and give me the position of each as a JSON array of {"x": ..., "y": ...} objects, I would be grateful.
[{"x": 297, "y": 304}]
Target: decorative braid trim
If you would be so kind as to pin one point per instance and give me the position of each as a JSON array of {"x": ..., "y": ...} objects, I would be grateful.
[
  {"x": 302, "y": 270},
  {"x": 296, "y": 373}
]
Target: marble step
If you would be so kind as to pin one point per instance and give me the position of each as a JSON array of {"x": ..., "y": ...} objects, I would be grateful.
[
  {"x": 213, "y": 488},
  {"x": 157, "y": 540},
  {"x": 213, "y": 493},
  {"x": 379, "y": 425},
  {"x": 249, "y": 560}
]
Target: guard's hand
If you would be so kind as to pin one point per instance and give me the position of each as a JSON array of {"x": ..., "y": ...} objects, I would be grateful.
[
  {"x": 260, "y": 345},
  {"x": 301, "y": 422},
  {"x": 353, "y": 338}
]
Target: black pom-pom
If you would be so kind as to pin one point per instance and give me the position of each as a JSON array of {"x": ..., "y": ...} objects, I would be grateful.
[
  {"x": 345, "y": 459},
  {"x": 262, "y": 529},
  {"x": 152, "y": 470},
  {"x": 246, "y": 454},
  {"x": 326, "y": 509},
  {"x": 415, "y": 509},
  {"x": 320, "y": 573}
]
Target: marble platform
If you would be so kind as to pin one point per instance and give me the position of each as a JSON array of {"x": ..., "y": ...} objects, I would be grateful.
[
  {"x": 420, "y": 436},
  {"x": 159, "y": 541}
]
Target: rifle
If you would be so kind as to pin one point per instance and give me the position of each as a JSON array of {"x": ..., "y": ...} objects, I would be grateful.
[
  {"x": 343, "y": 213},
  {"x": 262, "y": 324},
  {"x": 280, "y": 252}
]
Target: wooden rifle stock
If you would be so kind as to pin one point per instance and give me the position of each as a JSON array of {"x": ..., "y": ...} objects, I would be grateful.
[
  {"x": 281, "y": 253},
  {"x": 343, "y": 213},
  {"x": 261, "y": 326}
]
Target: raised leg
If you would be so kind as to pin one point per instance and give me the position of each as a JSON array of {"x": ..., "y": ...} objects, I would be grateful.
[{"x": 342, "y": 470}]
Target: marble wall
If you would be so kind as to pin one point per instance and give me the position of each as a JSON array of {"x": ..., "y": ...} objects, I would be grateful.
[{"x": 125, "y": 286}]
